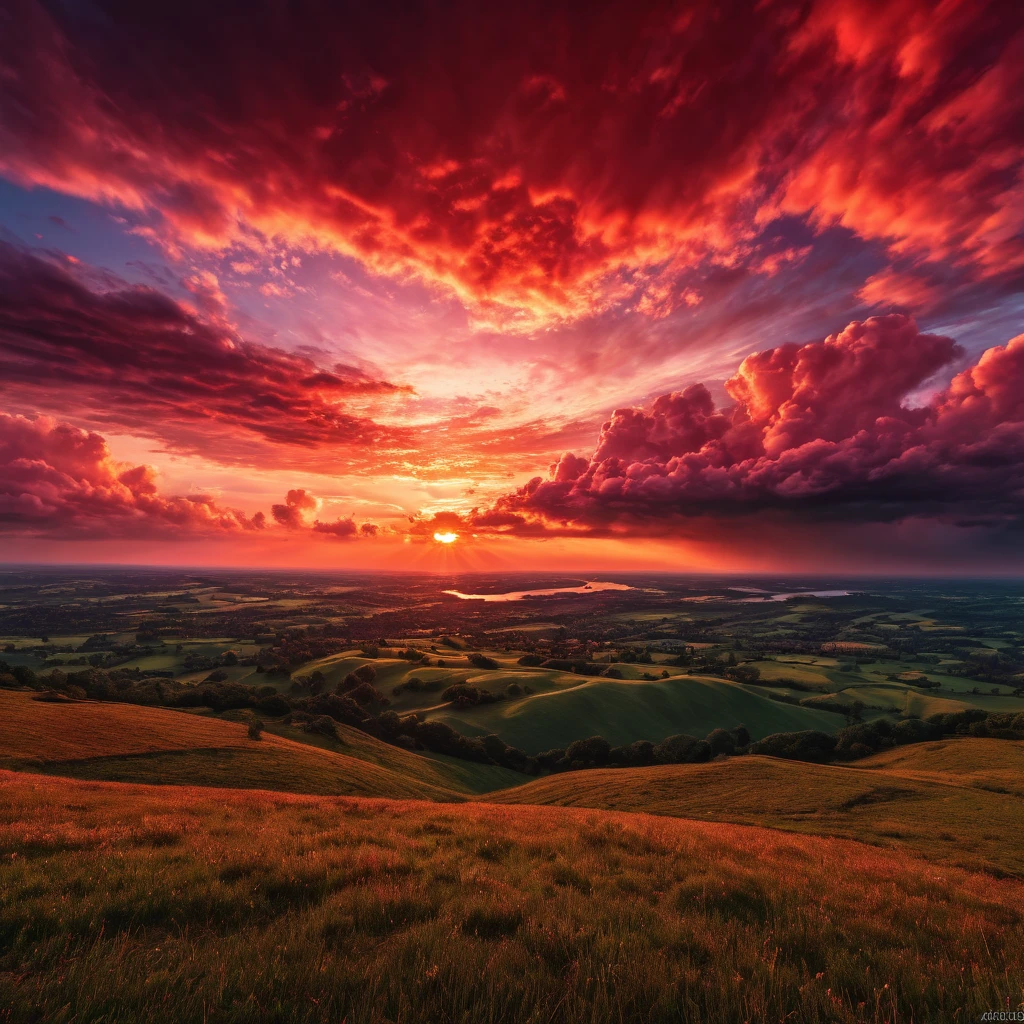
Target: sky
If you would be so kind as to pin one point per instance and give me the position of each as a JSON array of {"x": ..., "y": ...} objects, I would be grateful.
[{"x": 730, "y": 286}]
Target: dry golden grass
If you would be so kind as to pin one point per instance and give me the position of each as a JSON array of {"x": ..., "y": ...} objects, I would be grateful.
[
  {"x": 129, "y": 743},
  {"x": 997, "y": 765},
  {"x": 79, "y": 729},
  {"x": 124, "y": 903},
  {"x": 943, "y": 817}
]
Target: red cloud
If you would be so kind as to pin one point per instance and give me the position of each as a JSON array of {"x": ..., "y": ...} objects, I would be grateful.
[
  {"x": 59, "y": 481},
  {"x": 818, "y": 430},
  {"x": 611, "y": 146},
  {"x": 134, "y": 358}
]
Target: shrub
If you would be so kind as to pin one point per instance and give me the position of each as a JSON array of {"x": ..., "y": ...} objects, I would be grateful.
[
  {"x": 530, "y": 660},
  {"x": 255, "y": 728},
  {"x": 219, "y": 676},
  {"x": 514, "y": 690},
  {"x": 478, "y": 660},
  {"x": 365, "y": 673},
  {"x": 613, "y": 673}
]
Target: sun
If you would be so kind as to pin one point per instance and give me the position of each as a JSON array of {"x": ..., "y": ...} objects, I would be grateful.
[{"x": 446, "y": 538}]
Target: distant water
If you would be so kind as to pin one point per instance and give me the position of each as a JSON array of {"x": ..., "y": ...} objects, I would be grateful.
[
  {"x": 518, "y": 595},
  {"x": 797, "y": 593}
]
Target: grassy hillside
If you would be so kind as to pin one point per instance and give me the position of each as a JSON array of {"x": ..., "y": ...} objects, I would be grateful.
[
  {"x": 624, "y": 710},
  {"x": 995, "y": 765},
  {"x": 449, "y": 772},
  {"x": 128, "y": 743},
  {"x": 248, "y": 906},
  {"x": 946, "y": 815}
]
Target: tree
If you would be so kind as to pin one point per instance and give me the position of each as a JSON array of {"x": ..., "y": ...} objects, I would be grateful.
[
  {"x": 367, "y": 693},
  {"x": 595, "y": 750},
  {"x": 721, "y": 742},
  {"x": 255, "y": 728},
  {"x": 682, "y": 749}
]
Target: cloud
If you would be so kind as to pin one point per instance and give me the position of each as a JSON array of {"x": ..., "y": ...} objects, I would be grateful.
[
  {"x": 817, "y": 432},
  {"x": 611, "y": 147},
  {"x": 59, "y": 481},
  {"x": 133, "y": 358},
  {"x": 296, "y": 504}
]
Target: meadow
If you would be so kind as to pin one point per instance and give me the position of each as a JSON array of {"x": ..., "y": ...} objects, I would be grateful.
[{"x": 124, "y": 903}]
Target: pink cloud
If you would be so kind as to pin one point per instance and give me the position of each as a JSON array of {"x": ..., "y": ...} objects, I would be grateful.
[
  {"x": 59, "y": 481},
  {"x": 821, "y": 430}
]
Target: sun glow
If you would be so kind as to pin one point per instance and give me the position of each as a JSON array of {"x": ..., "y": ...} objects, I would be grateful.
[{"x": 446, "y": 538}]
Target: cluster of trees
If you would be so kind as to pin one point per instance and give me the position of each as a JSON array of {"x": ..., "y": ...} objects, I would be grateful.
[
  {"x": 865, "y": 738},
  {"x": 597, "y": 752},
  {"x": 416, "y": 685},
  {"x": 465, "y": 696}
]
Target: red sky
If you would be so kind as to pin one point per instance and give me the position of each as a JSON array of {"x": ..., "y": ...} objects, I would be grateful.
[{"x": 708, "y": 286}]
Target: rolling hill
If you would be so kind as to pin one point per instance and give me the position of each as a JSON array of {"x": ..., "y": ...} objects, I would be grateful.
[
  {"x": 909, "y": 798},
  {"x": 129, "y": 743},
  {"x": 627, "y": 710},
  {"x": 243, "y": 906}
]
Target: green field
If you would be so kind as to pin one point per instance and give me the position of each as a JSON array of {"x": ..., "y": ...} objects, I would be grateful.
[{"x": 623, "y": 711}]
